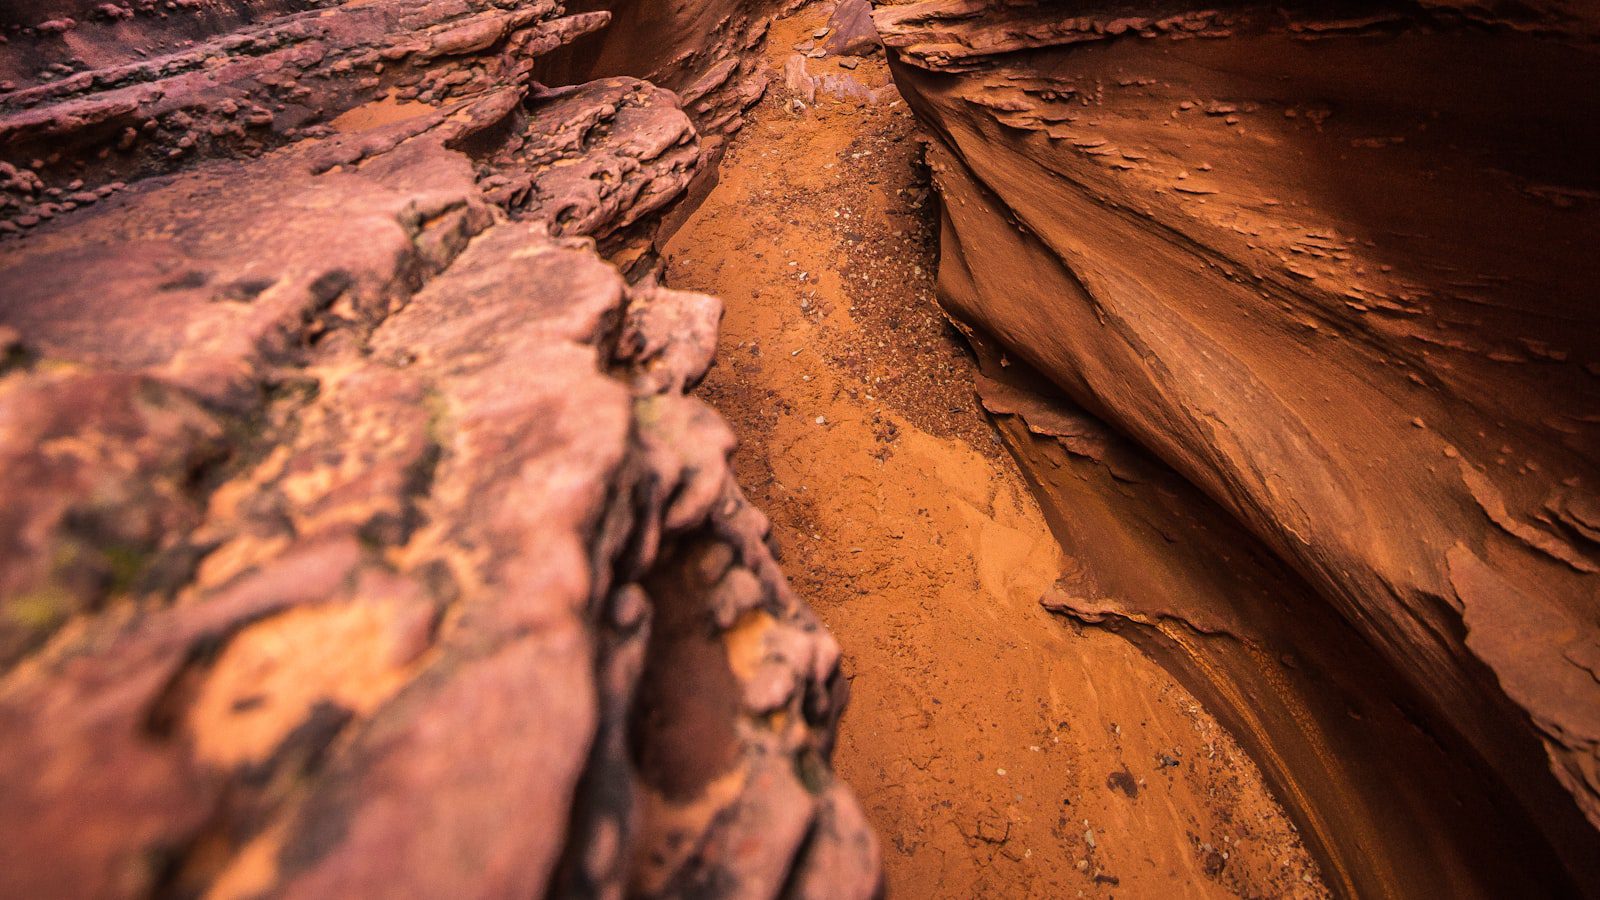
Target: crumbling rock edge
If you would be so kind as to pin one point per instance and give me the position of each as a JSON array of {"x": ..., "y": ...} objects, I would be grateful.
[{"x": 360, "y": 531}]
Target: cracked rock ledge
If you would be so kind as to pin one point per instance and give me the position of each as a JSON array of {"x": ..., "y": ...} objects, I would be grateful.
[{"x": 359, "y": 535}]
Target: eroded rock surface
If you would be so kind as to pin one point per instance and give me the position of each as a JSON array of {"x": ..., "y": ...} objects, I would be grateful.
[
  {"x": 360, "y": 538},
  {"x": 1324, "y": 274}
]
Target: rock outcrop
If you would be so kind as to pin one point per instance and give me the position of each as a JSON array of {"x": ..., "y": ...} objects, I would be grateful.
[
  {"x": 359, "y": 535},
  {"x": 1308, "y": 303},
  {"x": 701, "y": 51}
]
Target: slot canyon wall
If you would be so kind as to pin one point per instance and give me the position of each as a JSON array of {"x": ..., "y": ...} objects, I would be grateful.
[
  {"x": 360, "y": 531},
  {"x": 358, "y": 536},
  {"x": 1288, "y": 311}
]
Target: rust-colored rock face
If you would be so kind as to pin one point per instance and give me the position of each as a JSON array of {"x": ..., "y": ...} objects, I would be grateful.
[
  {"x": 359, "y": 538},
  {"x": 1308, "y": 298},
  {"x": 360, "y": 534}
]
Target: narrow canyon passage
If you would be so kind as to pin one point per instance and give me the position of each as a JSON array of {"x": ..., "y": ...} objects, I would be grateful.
[
  {"x": 799, "y": 449},
  {"x": 997, "y": 750}
]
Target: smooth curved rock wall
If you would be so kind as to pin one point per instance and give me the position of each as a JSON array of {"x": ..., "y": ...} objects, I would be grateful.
[{"x": 1329, "y": 264}]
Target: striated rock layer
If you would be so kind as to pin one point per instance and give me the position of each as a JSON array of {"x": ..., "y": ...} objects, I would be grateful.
[
  {"x": 1290, "y": 313},
  {"x": 359, "y": 536},
  {"x": 703, "y": 50}
]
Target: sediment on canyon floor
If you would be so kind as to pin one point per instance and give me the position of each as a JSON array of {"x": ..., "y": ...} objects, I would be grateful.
[
  {"x": 995, "y": 751},
  {"x": 1183, "y": 417}
]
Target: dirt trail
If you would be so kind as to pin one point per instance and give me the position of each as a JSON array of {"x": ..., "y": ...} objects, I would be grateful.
[{"x": 997, "y": 750}]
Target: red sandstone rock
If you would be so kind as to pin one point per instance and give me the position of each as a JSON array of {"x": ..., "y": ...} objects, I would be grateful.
[
  {"x": 1328, "y": 272},
  {"x": 360, "y": 537},
  {"x": 851, "y": 31}
]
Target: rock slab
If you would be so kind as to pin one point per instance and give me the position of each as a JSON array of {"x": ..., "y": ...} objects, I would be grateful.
[{"x": 361, "y": 537}]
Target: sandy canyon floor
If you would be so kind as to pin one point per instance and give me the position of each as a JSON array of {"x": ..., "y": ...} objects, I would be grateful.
[
  {"x": 1184, "y": 419},
  {"x": 998, "y": 750}
]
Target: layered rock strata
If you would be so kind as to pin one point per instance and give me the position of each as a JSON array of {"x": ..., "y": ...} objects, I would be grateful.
[
  {"x": 360, "y": 538},
  {"x": 1323, "y": 273},
  {"x": 703, "y": 52}
]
